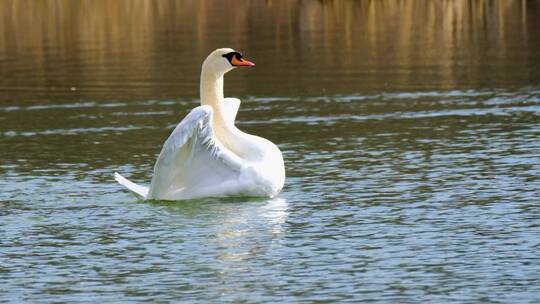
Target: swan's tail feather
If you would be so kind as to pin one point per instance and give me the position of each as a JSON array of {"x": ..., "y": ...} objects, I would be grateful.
[{"x": 139, "y": 190}]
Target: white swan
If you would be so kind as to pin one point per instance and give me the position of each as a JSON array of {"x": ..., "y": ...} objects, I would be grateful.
[{"x": 206, "y": 154}]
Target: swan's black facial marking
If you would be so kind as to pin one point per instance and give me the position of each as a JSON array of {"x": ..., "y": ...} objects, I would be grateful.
[{"x": 232, "y": 55}]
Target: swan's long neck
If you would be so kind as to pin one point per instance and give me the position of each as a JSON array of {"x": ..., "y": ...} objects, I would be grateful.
[
  {"x": 239, "y": 142},
  {"x": 212, "y": 95}
]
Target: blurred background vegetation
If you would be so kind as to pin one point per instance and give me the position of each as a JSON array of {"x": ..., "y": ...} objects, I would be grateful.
[{"x": 99, "y": 49}]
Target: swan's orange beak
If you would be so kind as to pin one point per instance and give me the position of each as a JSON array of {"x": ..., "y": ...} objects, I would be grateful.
[{"x": 241, "y": 62}]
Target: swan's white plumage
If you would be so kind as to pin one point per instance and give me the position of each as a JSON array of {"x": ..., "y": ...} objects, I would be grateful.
[
  {"x": 206, "y": 155},
  {"x": 139, "y": 190},
  {"x": 230, "y": 109},
  {"x": 192, "y": 163}
]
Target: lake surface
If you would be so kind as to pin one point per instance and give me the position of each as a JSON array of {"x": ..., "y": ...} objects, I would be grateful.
[{"x": 410, "y": 132}]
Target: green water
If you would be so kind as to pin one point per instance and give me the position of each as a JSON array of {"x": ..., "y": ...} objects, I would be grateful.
[{"x": 410, "y": 132}]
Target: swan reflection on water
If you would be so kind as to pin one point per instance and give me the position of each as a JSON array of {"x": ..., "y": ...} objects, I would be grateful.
[
  {"x": 240, "y": 231},
  {"x": 232, "y": 226}
]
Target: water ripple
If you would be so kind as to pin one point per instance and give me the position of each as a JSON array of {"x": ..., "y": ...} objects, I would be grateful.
[{"x": 389, "y": 197}]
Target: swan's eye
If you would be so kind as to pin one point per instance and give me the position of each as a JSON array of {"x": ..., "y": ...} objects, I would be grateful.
[
  {"x": 232, "y": 55},
  {"x": 236, "y": 59}
]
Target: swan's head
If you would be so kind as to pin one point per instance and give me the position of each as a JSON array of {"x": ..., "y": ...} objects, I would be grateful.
[{"x": 223, "y": 60}]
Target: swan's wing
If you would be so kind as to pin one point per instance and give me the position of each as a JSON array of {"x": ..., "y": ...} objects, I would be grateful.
[
  {"x": 192, "y": 163},
  {"x": 231, "y": 106},
  {"x": 139, "y": 190}
]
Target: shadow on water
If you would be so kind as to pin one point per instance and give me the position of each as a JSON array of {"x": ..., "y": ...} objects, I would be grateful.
[{"x": 208, "y": 200}]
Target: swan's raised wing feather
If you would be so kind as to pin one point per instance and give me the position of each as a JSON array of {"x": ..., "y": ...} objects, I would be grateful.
[
  {"x": 192, "y": 161},
  {"x": 230, "y": 108}
]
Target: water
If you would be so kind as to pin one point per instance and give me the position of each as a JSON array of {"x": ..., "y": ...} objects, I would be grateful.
[{"x": 409, "y": 130}]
